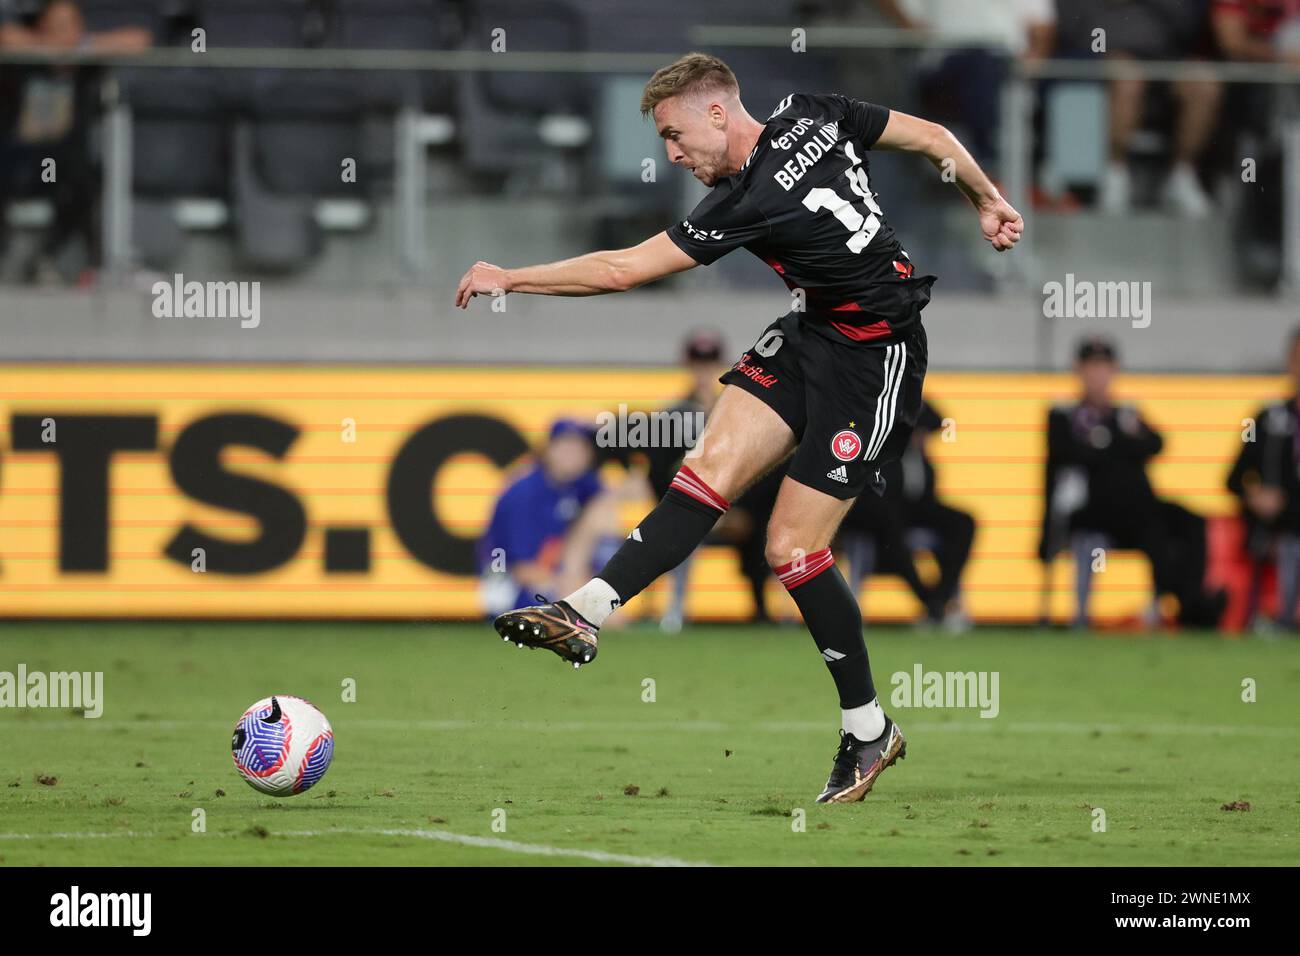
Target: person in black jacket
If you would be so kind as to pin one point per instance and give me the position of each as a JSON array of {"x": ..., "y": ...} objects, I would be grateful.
[
  {"x": 1266, "y": 479},
  {"x": 1097, "y": 453},
  {"x": 744, "y": 526},
  {"x": 910, "y": 504},
  {"x": 881, "y": 521},
  {"x": 951, "y": 530},
  {"x": 47, "y": 114}
]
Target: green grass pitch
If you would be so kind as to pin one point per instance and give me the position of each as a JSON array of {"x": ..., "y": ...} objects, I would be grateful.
[{"x": 453, "y": 730}]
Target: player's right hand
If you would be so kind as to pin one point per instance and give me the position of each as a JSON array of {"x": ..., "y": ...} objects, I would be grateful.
[{"x": 482, "y": 277}]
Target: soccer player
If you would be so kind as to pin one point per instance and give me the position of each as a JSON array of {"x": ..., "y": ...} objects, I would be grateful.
[{"x": 837, "y": 381}]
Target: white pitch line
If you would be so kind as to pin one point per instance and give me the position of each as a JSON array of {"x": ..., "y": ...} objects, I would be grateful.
[
  {"x": 511, "y": 846},
  {"x": 698, "y": 726},
  {"x": 1050, "y": 727},
  {"x": 75, "y": 836},
  {"x": 443, "y": 836}
]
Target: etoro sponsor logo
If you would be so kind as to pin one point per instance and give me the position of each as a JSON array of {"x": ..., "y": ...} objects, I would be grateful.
[
  {"x": 788, "y": 139},
  {"x": 846, "y": 445}
]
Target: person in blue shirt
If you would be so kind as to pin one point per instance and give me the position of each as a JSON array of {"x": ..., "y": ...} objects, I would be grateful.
[{"x": 528, "y": 543}]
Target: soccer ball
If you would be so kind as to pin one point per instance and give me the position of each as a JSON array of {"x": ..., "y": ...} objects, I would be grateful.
[{"x": 282, "y": 745}]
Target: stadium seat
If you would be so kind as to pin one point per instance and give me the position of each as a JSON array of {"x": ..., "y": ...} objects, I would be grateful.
[
  {"x": 402, "y": 25},
  {"x": 255, "y": 23},
  {"x": 181, "y": 150},
  {"x": 114, "y": 14},
  {"x": 510, "y": 117},
  {"x": 1250, "y": 579},
  {"x": 273, "y": 233},
  {"x": 259, "y": 23},
  {"x": 307, "y": 122},
  {"x": 180, "y": 130}
]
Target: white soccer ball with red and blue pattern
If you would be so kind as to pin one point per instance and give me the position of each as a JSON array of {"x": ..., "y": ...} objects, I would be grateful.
[{"x": 282, "y": 745}]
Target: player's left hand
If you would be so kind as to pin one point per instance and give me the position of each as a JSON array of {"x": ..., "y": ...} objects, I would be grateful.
[
  {"x": 482, "y": 278},
  {"x": 1002, "y": 225}
]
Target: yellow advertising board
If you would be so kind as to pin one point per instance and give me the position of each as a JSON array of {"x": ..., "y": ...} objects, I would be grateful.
[{"x": 322, "y": 492}]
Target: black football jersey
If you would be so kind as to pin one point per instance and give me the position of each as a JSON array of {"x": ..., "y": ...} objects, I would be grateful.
[{"x": 803, "y": 203}]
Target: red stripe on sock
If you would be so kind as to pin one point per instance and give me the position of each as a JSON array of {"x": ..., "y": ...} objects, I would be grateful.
[
  {"x": 688, "y": 482},
  {"x": 802, "y": 570}
]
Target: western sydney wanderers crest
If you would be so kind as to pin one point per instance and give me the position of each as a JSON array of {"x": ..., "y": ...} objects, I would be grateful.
[{"x": 846, "y": 445}]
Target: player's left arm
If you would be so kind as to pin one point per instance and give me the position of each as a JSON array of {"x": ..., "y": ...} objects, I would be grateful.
[
  {"x": 999, "y": 221},
  {"x": 595, "y": 273}
]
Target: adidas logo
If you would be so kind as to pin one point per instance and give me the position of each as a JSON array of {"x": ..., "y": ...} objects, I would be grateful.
[
  {"x": 840, "y": 474},
  {"x": 635, "y": 534},
  {"x": 830, "y": 655}
]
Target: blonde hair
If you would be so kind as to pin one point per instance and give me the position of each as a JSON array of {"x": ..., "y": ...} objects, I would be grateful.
[{"x": 693, "y": 73}]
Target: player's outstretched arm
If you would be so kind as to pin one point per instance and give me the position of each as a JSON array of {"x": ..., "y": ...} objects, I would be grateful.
[
  {"x": 614, "y": 270},
  {"x": 999, "y": 221}
]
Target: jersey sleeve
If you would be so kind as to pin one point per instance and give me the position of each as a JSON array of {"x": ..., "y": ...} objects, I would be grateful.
[
  {"x": 726, "y": 219},
  {"x": 865, "y": 121}
]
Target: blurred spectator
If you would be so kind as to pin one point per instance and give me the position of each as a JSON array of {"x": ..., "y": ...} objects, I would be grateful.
[
  {"x": 1263, "y": 31},
  {"x": 550, "y": 524},
  {"x": 45, "y": 113},
  {"x": 1266, "y": 479},
  {"x": 1266, "y": 31},
  {"x": 881, "y": 533},
  {"x": 1152, "y": 30},
  {"x": 961, "y": 83},
  {"x": 946, "y": 532},
  {"x": 744, "y": 526},
  {"x": 873, "y": 535},
  {"x": 1097, "y": 453}
]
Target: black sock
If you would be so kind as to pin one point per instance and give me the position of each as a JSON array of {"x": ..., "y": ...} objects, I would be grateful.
[
  {"x": 835, "y": 621},
  {"x": 666, "y": 536}
]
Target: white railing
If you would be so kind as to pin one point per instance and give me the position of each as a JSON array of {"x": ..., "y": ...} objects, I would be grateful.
[{"x": 1019, "y": 94}]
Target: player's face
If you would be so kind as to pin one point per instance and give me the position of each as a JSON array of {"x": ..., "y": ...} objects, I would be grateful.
[{"x": 693, "y": 137}]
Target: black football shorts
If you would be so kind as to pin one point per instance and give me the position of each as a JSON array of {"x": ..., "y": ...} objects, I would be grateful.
[{"x": 852, "y": 408}]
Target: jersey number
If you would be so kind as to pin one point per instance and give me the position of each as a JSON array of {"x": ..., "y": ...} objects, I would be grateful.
[
  {"x": 863, "y": 227},
  {"x": 769, "y": 343}
]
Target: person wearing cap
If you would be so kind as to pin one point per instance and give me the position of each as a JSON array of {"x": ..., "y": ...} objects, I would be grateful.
[
  {"x": 1266, "y": 480},
  {"x": 529, "y": 540},
  {"x": 1097, "y": 453}
]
